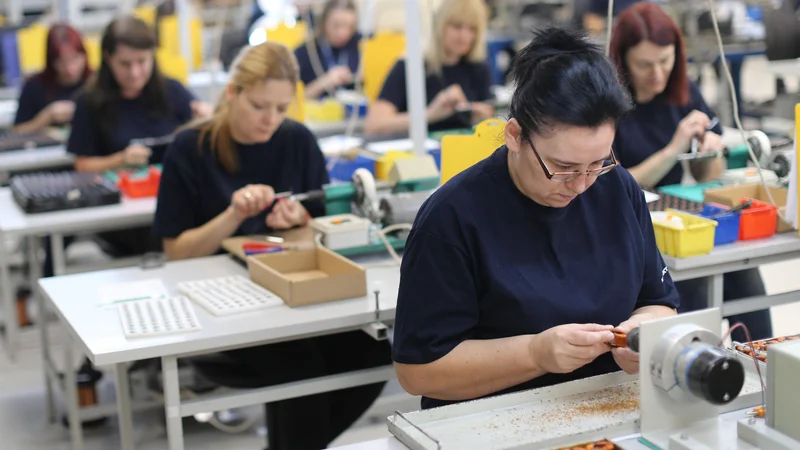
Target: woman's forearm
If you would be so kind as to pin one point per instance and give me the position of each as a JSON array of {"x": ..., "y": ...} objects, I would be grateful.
[
  {"x": 653, "y": 169},
  {"x": 473, "y": 369},
  {"x": 40, "y": 122},
  {"x": 386, "y": 124},
  {"x": 316, "y": 88},
  {"x": 204, "y": 240},
  {"x": 99, "y": 163},
  {"x": 707, "y": 170}
]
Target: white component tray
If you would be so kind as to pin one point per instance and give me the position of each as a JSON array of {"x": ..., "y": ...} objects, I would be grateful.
[{"x": 601, "y": 407}]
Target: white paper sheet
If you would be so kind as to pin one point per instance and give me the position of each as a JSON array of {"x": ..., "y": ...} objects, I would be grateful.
[
  {"x": 152, "y": 289},
  {"x": 650, "y": 197},
  {"x": 336, "y": 145},
  {"x": 384, "y": 147}
]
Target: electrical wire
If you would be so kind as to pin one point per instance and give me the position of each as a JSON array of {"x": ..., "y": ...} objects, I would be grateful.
[
  {"x": 735, "y": 104},
  {"x": 609, "y": 20},
  {"x": 755, "y": 359},
  {"x": 390, "y": 229}
]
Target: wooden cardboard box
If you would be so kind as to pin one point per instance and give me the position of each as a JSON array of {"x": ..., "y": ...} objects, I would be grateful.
[
  {"x": 308, "y": 276},
  {"x": 733, "y": 195}
]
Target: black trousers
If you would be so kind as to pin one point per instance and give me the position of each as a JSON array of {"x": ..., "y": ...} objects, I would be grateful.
[
  {"x": 314, "y": 421},
  {"x": 736, "y": 285}
]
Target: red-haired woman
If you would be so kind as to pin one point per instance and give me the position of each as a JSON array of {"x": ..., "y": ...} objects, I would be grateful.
[
  {"x": 647, "y": 47},
  {"x": 46, "y": 98}
]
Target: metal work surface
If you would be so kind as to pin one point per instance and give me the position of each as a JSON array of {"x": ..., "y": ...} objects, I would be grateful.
[
  {"x": 602, "y": 407},
  {"x": 35, "y": 159},
  {"x": 777, "y": 247}
]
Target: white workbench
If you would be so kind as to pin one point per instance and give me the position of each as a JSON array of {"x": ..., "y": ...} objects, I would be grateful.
[
  {"x": 737, "y": 256},
  {"x": 97, "y": 330},
  {"x": 42, "y": 158},
  {"x": 16, "y": 224}
]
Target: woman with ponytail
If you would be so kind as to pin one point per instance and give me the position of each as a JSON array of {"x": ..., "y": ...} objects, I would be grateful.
[
  {"x": 518, "y": 268},
  {"x": 219, "y": 180},
  {"x": 220, "y": 176}
]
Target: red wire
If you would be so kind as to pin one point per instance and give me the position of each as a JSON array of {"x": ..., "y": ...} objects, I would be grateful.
[{"x": 755, "y": 359}]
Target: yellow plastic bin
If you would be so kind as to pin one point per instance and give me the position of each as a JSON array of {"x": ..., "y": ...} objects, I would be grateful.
[{"x": 683, "y": 235}]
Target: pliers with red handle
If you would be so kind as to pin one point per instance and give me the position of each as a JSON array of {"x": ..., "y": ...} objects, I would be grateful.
[{"x": 257, "y": 248}]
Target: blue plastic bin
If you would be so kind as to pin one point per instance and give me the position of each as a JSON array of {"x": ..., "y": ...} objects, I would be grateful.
[
  {"x": 362, "y": 110},
  {"x": 343, "y": 168},
  {"x": 437, "y": 157},
  {"x": 727, "y": 224}
]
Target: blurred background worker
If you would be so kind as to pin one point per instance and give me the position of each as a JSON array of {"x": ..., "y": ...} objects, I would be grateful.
[
  {"x": 47, "y": 98},
  {"x": 330, "y": 60}
]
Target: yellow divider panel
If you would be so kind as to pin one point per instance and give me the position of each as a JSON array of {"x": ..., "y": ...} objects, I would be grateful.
[
  {"x": 169, "y": 39},
  {"x": 93, "y": 53},
  {"x": 291, "y": 37},
  {"x": 147, "y": 13},
  {"x": 379, "y": 55},
  {"x": 32, "y": 48},
  {"x": 172, "y": 65},
  {"x": 297, "y": 109},
  {"x": 460, "y": 152}
]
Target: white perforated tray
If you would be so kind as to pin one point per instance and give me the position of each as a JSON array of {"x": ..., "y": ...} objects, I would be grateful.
[
  {"x": 147, "y": 318},
  {"x": 225, "y": 296}
]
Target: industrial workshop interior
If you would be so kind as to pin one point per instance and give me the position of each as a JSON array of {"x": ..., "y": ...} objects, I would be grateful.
[{"x": 399, "y": 224}]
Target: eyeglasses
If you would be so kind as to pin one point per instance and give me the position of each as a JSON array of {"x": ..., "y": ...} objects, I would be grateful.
[{"x": 564, "y": 177}]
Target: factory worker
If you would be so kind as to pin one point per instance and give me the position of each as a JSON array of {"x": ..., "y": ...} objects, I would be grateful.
[
  {"x": 595, "y": 12},
  {"x": 457, "y": 81},
  {"x": 517, "y": 269},
  {"x": 128, "y": 99},
  {"x": 335, "y": 47},
  {"x": 46, "y": 97},
  {"x": 219, "y": 180},
  {"x": 648, "y": 48}
]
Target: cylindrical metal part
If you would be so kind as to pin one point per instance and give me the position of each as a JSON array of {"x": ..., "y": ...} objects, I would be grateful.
[{"x": 709, "y": 373}]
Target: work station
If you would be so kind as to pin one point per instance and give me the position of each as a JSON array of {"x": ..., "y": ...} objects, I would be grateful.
[{"x": 387, "y": 225}]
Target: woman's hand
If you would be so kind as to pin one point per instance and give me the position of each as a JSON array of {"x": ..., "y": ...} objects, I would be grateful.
[
  {"x": 338, "y": 76},
  {"x": 201, "y": 110},
  {"x": 711, "y": 142},
  {"x": 136, "y": 155},
  {"x": 565, "y": 348},
  {"x": 287, "y": 214},
  {"x": 627, "y": 359},
  {"x": 251, "y": 200},
  {"x": 481, "y": 111},
  {"x": 60, "y": 111},
  {"x": 694, "y": 125},
  {"x": 445, "y": 103}
]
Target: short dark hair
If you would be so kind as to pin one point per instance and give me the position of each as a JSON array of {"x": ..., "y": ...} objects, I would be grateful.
[
  {"x": 563, "y": 78},
  {"x": 649, "y": 22}
]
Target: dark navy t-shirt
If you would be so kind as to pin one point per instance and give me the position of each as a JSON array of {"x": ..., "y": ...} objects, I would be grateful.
[
  {"x": 475, "y": 80},
  {"x": 328, "y": 57},
  {"x": 483, "y": 261},
  {"x": 35, "y": 97},
  {"x": 132, "y": 121},
  {"x": 650, "y": 127},
  {"x": 195, "y": 187}
]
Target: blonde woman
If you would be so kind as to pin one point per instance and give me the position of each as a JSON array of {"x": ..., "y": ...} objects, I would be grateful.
[
  {"x": 457, "y": 82},
  {"x": 219, "y": 180}
]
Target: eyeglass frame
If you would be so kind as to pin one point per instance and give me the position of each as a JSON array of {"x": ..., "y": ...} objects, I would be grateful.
[{"x": 594, "y": 173}]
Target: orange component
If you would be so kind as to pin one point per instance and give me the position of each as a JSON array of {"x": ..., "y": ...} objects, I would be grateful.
[
  {"x": 620, "y": 339},
  {"x": 758, "y": 411}
]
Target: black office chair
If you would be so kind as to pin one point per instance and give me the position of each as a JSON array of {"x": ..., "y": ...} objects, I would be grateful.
[{"x": 222, "y": 370}]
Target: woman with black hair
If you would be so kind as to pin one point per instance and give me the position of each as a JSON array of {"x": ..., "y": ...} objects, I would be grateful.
[
  {"x": 517, "y": 269},
  {"x": 128, "y": 100}
]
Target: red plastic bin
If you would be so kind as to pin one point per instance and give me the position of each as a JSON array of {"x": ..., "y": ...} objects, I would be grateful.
[
  {"x": 758, "y": 221},
  {"x": 142, "y": 187}
]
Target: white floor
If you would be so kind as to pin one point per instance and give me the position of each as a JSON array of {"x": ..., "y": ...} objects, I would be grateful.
[{"x": 23, "y": 425}]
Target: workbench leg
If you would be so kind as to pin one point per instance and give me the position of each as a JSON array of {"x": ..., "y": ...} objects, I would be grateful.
[
  {"x": 9, "y": 302},
  {"x": 172, "y": 402},
  {"x": 57, "y": 250},
  {"x": 41, "y": 324},
  {"x": 71, "y": 398},
  {"x": 715, "y": 291},
  {"x": 124, "y": 411}
]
